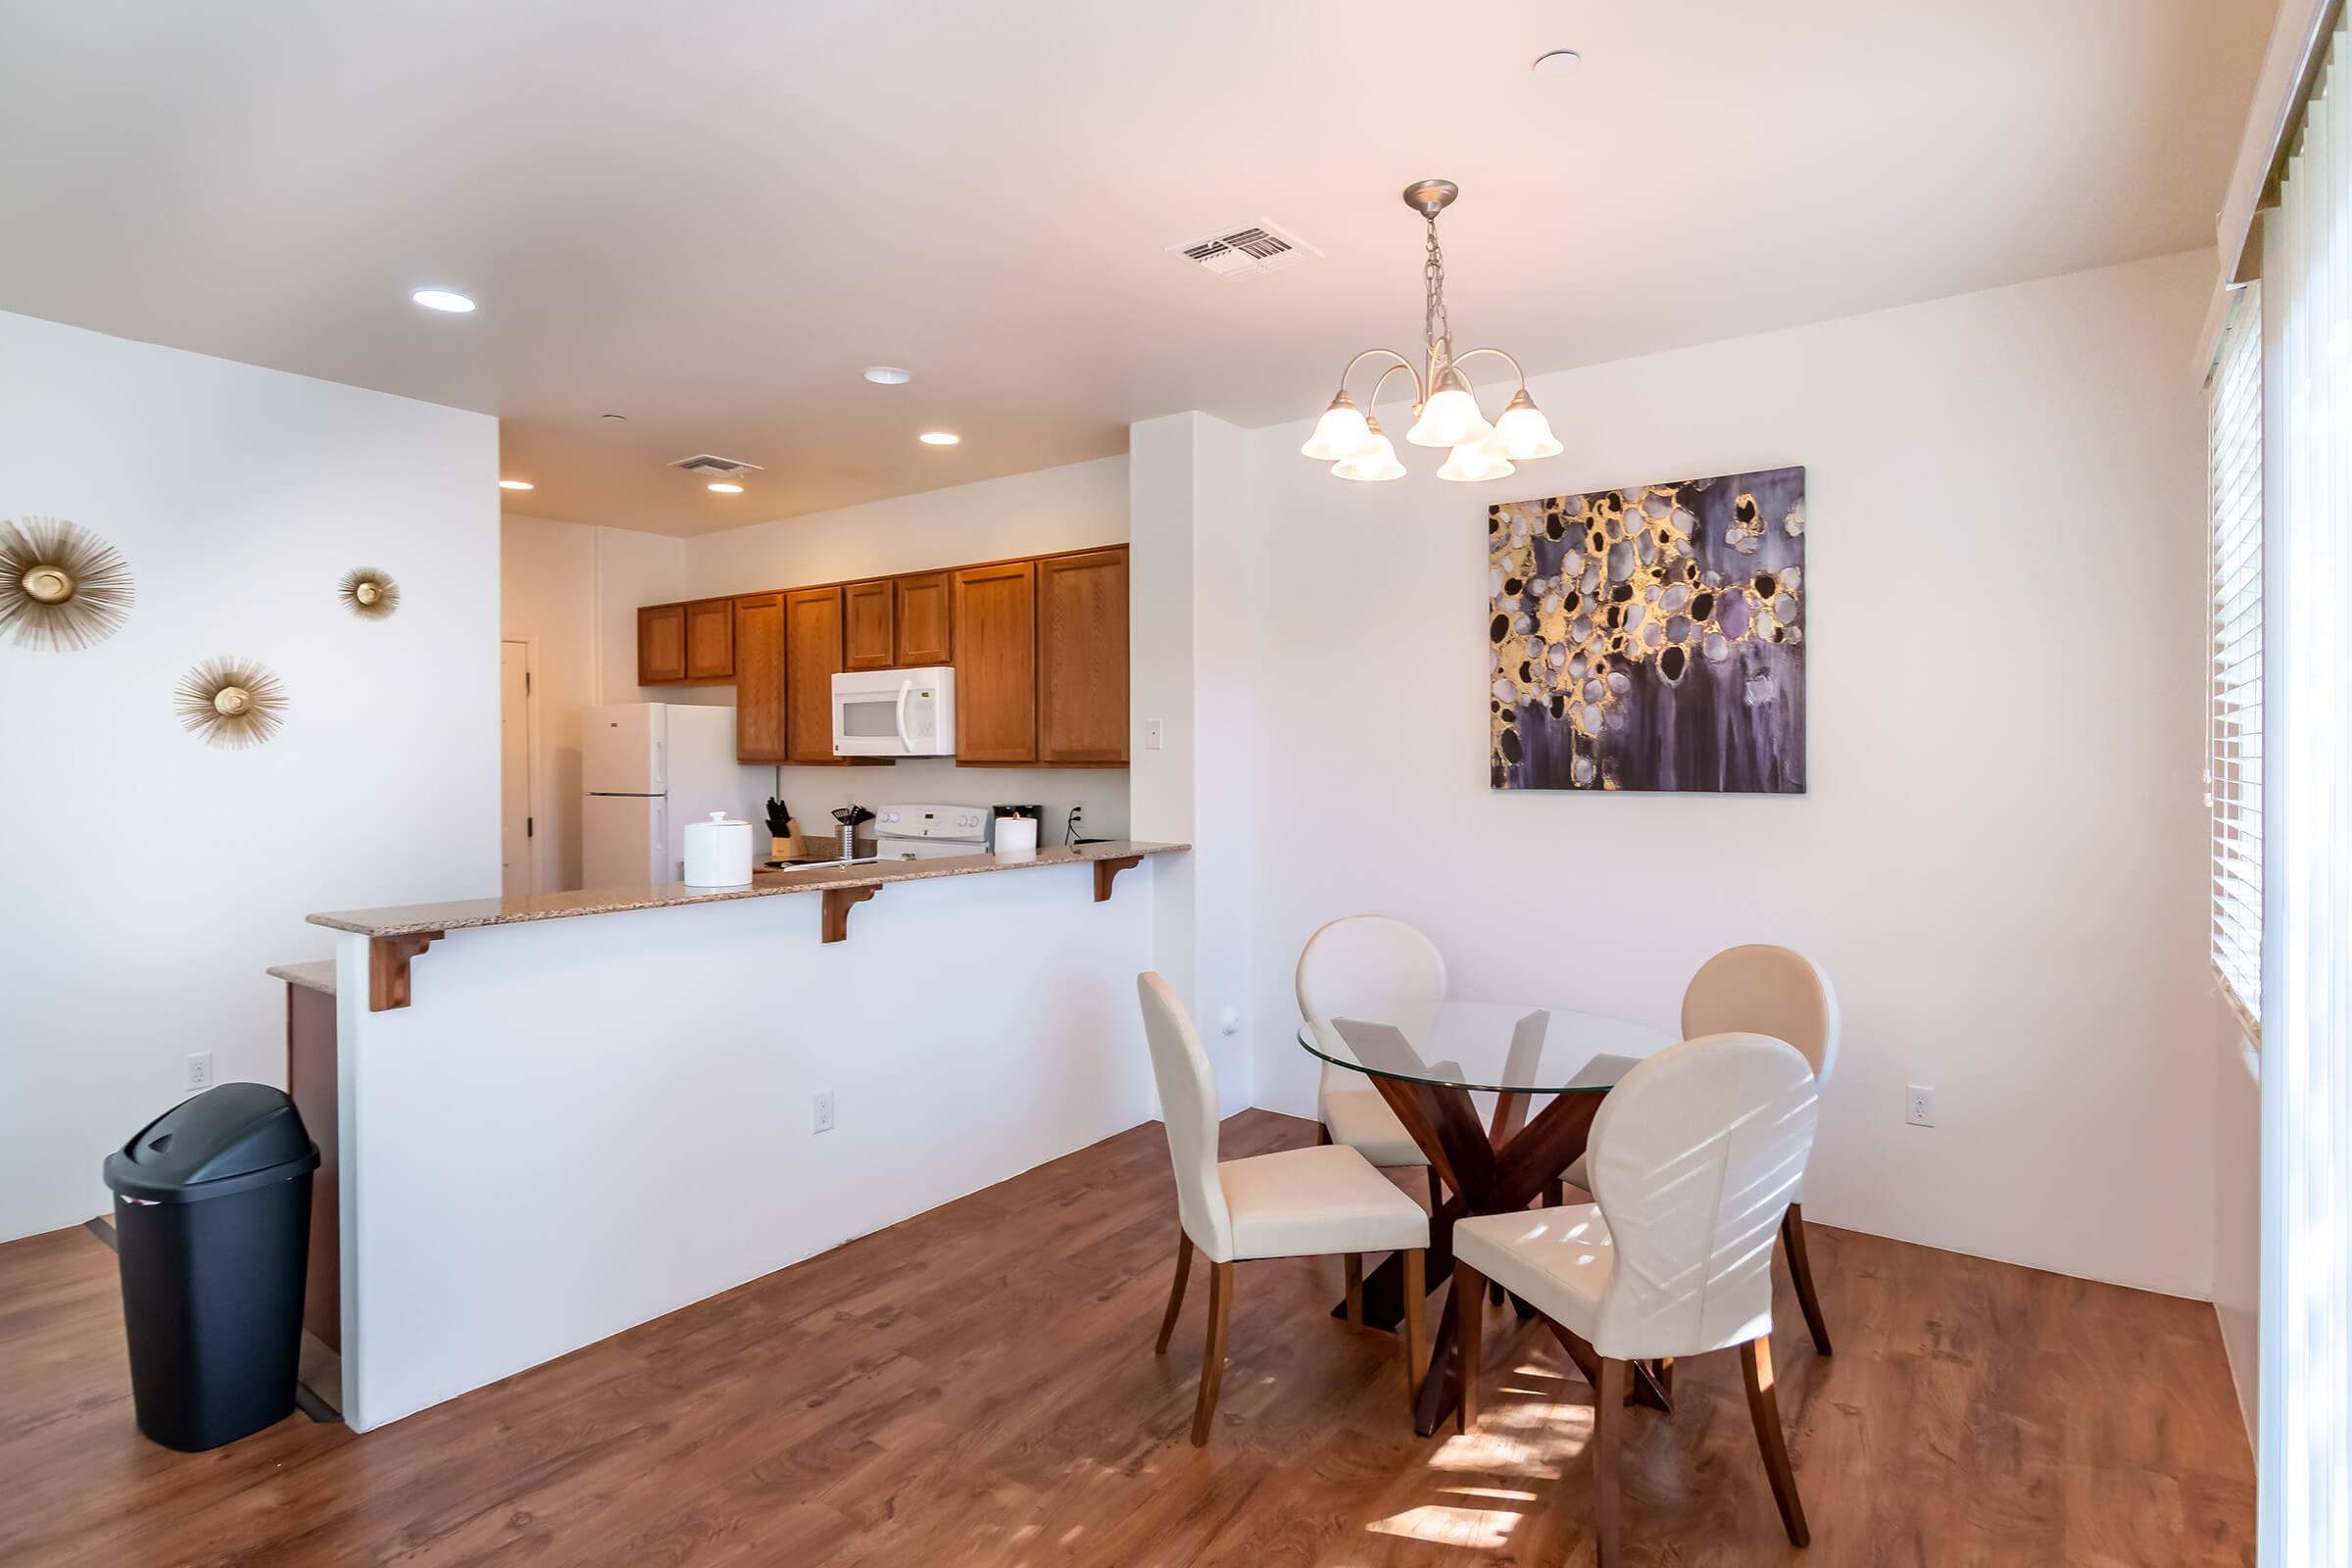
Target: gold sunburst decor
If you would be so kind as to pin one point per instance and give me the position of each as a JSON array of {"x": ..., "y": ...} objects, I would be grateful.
[
  {"x": 369, "y": 594},
  {"x": 62, "y": 587},
  {"x": 231, "y": 703}
]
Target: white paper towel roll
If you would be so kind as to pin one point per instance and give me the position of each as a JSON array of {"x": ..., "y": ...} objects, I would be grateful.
[{"x": 1017, "y": 838}]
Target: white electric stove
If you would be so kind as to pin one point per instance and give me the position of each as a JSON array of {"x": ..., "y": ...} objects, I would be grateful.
[{"x": 923, "y": 832}]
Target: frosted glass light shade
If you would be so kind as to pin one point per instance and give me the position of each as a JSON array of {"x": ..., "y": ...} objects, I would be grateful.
[
  {"x": 1471, "y": 463},
  {"x": 1377, "y": 460},
  {"x": 1450, "y": 417},
  {"x": 1523, "y": 433},
  {"x": 1342, "y": 432}
]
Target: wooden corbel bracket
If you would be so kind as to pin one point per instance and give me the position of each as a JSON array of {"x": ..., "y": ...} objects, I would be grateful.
[
  {"x": 388, "y": 968},
  {"x": 837, "y": 910},
  {"x": 1104, "y": 870}
]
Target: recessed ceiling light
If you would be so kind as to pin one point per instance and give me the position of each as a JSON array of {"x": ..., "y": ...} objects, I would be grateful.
[
  {"x": 1558, "y": 64},
  {"x": 725, "y": 489},
  {"x": 441, "y": 299},
  {"x": 939, "y": 438},
  {"x": 887, "y": 375},
  {"x": 514, "y": 484}
]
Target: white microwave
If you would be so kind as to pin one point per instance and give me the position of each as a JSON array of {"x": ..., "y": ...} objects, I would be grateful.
[{"x": 894, "y": 712}]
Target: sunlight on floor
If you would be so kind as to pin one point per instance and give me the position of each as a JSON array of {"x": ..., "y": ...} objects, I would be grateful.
[{"x": 1451, "y": 1526}]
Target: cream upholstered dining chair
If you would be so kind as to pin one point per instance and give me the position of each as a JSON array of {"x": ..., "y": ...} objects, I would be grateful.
[
  {"x": 1778, "y": 992},
  {"x": 1297, "y": 1203},
  {"x": 1694, "y": 1158},
  {"x": 1367, "y": 966}
]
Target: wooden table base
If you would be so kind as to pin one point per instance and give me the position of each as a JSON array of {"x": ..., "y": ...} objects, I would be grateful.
[{"x": 1496, "y": 1170}]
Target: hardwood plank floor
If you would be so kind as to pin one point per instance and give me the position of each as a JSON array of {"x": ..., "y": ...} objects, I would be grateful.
[{"x": 976, "y": 1386}]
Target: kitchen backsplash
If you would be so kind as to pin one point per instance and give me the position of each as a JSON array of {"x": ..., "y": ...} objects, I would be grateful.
[{"x": 813, "y": 793}]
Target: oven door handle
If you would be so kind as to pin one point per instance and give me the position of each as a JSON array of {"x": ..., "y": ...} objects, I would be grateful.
[{"x": 905, "y": 740}]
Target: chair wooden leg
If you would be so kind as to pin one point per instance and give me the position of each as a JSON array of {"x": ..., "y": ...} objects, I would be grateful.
[
  {"x": 1469, "y": 1319},
  {"x": 1183, "y": 1270},
  {"x": 1755, "y": 1364},
  {"x": 1436, "y": 1190},
  {"x": 1608, "y": 1417},
  {"x": 1800, "y": 1268},
  {"x": 1555, "y": 1193},
  {"x": 1352, "y": 1265},
  {"x": 1213, "y": 1358},
  {"x": 1416, "y": 1326}
]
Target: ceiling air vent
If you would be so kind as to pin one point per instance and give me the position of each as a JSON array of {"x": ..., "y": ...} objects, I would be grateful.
[
  {"x": 1240, "y": 254},
  {"x": 716, "y": 468}
]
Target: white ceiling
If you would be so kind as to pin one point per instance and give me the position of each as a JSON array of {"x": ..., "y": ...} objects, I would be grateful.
[{"x": 708, "y": 217}]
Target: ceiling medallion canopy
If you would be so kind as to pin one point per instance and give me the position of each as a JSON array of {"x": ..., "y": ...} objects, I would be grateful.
[{"x": 1445, "y": 412}]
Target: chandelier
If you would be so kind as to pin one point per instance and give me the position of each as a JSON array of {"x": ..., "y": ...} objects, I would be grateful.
[{"x": 1445, "y": 412}]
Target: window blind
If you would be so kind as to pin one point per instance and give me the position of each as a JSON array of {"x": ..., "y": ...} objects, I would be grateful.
[{"x": 2233, "y": 756}]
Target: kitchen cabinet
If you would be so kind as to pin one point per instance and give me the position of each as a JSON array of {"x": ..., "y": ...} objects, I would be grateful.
[
  {"x": 996, "y": 663},
  {"x": 812, "y": 656},
  {"x": 661, "y": 645},
  {"x": 924, "y": 616},
  {"x": 867, "y": 639},
  {"x": 711, "y": 640},
  {"x": 1082, "y": 659},
  {"x": 760, "y": 696}
]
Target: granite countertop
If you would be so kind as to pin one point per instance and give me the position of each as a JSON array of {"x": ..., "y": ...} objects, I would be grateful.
[
  {"x": 318, "y": 976},
  {"x": 416, "y": 918}
]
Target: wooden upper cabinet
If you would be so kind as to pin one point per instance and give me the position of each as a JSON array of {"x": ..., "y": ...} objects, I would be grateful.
[
  {"x": 759, "y": 698},
  {"x": 925, "y": 616},
  {"x": 812, "y": 656},
  {"x": 1082, "y": 659},
  {"x": 996, "y": 663},
  {"x": 868, "y": 642},
  {"x": 660, "y": 645},
  {"x": 710, "y": 639}
]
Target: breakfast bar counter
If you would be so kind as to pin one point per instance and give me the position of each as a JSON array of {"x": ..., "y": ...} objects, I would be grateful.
[{"x": 553, "y": 1127}]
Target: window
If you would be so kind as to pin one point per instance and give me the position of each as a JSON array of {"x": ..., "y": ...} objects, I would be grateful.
[{"x": 2233, "y": 757}]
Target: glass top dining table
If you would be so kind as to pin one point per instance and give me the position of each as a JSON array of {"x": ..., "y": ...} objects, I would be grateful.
[{"x": 1510, "y": 1048}]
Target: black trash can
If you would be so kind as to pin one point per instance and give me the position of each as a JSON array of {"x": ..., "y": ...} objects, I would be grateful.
[{"x": 213, "y": 1228}]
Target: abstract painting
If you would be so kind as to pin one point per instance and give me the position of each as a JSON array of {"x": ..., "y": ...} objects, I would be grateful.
[{"x": 1650, "y": 638}]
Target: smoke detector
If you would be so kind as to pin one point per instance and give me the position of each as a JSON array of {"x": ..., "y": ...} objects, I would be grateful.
[
  {"x": 1237, "y": 255},
  {"x": 707, "y": 467}
]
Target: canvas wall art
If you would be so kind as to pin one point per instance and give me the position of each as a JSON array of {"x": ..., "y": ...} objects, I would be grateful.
[{"x": 1650, "y": 638}]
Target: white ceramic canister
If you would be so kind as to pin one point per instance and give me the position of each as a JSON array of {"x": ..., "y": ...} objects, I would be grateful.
[{"x": 718, "y": 853}]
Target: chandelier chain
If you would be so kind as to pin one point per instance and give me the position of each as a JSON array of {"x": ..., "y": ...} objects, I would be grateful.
[{"x": 1436, "y": 328}]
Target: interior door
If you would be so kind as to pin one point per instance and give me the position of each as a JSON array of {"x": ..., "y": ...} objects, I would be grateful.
[{"x": 517, "y": 859}]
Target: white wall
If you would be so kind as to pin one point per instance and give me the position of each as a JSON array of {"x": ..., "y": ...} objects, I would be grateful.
[
  {"x": 1192, "y": 618},
  {"x": 2238, "y": 1204},
  {"x": 662, "y": 1067},
  {"x": 2000, "y": 859},
  {"x": 152, "y": 879}
]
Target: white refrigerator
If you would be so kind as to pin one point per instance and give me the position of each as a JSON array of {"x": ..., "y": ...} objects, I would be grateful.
[{"x": 648, "y": 769}]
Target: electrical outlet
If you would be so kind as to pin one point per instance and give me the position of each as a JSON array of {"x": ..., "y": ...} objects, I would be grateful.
[
  {"x": 1151, "y": 734},
  {"x": 200, "y": 1069},
  {"x": 1919, "y": 1106},
  {"x": 824, "y": 1111}
]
